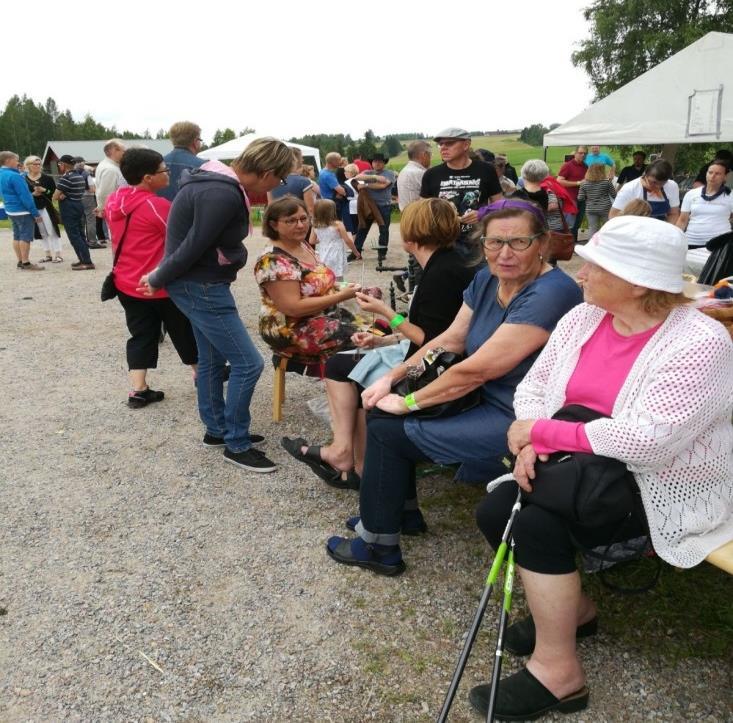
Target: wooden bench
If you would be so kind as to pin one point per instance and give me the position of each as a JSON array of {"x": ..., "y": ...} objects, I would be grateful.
[{"x": 722, "y": 557}]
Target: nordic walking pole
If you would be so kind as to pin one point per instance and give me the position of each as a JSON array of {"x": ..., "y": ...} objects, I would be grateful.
[
  {"x": 476, "y": 624},
  {"x": 503, "y": 619}
]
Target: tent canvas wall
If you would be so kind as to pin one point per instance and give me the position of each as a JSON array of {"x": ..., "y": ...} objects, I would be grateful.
[
  {"x": 688, "y": 98},
  {"x": 231, "y": 149}
]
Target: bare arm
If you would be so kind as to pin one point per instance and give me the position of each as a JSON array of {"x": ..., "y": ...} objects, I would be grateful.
[
  {"x": 286, "y": 297},
  {"x": 346, "y": 238},
  {"x": 568, "y": 184},
  {"x": 309, "y": 199},
  {"x": 507, "y": 347},
  {"x": 683, "y": 220},
  {"x": 409, "y": 330},
  {"x": 673, "y": 215}
]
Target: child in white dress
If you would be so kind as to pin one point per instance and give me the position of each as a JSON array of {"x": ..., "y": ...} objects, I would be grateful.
[{"x": 332, "y": 238}]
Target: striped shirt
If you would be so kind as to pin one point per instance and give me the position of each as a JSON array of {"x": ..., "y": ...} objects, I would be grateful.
[
  {"x": 72, "y": 185},
  {"x": 598, "y": 196}
]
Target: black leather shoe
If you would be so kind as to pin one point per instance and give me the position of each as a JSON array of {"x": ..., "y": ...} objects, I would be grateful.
[{"x": 522, "y": 697}]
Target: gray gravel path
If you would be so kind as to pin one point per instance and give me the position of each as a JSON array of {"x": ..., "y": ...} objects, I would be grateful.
[{"x": 142, "y": 579}]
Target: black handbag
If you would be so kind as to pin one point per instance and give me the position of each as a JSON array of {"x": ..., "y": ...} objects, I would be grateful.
[
  {"x": 585, "y": 489},
  {"x": 434, "y": 363},
  {"x": 109, "y": 290}
]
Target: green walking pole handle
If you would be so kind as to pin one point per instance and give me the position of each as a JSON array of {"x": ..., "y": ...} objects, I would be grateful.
[{"x": 509, "y": 579}]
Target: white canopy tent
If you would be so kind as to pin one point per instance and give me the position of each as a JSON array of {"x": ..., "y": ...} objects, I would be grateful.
[
  {"x": 682, "y": 100},
  {"x": 232, "y": 149}
]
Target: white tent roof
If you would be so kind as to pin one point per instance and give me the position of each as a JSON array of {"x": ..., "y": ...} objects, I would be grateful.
[
  {"x": 231, "y": 149},
  {"x": 688, "y": 98}
]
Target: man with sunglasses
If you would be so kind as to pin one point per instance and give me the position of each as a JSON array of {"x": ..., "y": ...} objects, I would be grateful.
[
  {"x": 467, "y": 184},
  {"x": 571, "y": 175}
]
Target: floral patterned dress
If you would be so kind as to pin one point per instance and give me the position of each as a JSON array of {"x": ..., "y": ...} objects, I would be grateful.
[{"x": 308, "y": 338}]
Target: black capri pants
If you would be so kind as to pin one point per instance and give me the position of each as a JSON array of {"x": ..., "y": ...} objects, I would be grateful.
[
  {"x": 543, "y": 541},
  {"x": 338, "y": 368},
  {"x": 144, "y": 318}
]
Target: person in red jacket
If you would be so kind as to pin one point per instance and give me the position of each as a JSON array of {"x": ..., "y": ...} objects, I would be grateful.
[{"x": 137, "y": 220}]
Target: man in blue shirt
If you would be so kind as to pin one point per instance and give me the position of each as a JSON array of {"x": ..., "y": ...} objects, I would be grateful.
[
  {"x": 327, "y": 181},
  {"x": 378, "y": 183},
  {"x": 595, "y": 156},
  {"x": 186, "y": 140},
  {"x": 20, "y": 208}
]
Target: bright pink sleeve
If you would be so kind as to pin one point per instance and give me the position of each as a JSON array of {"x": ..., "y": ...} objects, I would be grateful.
[{"x": 552, "y": 435}]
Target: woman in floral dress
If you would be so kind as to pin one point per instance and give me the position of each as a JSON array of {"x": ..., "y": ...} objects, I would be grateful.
[{"x": 299, "y": 315}]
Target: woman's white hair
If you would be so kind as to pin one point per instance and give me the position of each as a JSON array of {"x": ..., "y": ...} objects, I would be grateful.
[{"x": 535, "y": 170}]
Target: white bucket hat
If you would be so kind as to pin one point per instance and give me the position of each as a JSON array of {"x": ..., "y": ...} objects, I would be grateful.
[{"x": 643, "y": 251}]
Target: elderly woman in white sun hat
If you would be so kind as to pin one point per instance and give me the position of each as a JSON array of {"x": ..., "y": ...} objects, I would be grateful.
[{"x": 655, "y": 373}]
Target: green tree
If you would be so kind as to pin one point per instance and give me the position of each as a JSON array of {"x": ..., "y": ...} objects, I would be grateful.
[
  {"x": 222, "y": 136},
  {"x": 533, "y": 135},
  {"x": 628, "y": 37},
  {"x": 391, "y": 146}
]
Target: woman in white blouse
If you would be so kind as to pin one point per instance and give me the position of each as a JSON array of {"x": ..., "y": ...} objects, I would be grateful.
[
  {"x": 707, "y": 211},
  {"x": 664, "y": 408}
]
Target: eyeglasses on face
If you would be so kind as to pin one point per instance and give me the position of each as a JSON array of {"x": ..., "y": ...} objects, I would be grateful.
[
  {"x": 162, "y": 170},
  {"x": 294, "y": 221},
  {"x": 516, "y": 243}
]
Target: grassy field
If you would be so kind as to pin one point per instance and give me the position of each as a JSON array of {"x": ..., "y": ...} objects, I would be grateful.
[{"x": 510, "y": 145}]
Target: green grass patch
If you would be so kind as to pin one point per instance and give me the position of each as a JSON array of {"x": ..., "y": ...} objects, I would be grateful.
[{"x": 687, "y": 615}]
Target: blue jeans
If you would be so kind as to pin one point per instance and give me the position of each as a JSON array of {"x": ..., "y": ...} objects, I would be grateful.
[
  {"x": 72, "y": 216},
  {"x": 23, "y": 227},
  {"x": 361, "y": 234},
  {"x": 220, "y": 337}
]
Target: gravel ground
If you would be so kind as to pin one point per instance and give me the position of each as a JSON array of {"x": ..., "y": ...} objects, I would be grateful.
[{"x": 145, "y": 580}]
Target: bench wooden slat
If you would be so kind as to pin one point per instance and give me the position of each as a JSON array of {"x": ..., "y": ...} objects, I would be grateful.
[{"x": 722, "y": 557}]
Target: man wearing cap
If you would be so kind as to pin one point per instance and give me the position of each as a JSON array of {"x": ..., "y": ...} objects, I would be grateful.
[
  {"x": 69, "y": 192},
  {"x": 89, "y": 202},
  {"x": 465, "y": 183},
  {"x": 378, "y": 184}
]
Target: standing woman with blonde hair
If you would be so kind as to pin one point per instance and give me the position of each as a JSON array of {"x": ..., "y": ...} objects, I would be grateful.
[
  {"x": 203, "y": 253},
  {"x": 42, "y": 188},
  {"x": 598, "y": 193}
]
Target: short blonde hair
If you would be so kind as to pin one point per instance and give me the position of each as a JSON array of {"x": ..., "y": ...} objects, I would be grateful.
[
  {"x": 637, "y": 207},
  {"x": 333, "y": 158},
  {"x": 352, "y": 169},
  {"x": 430, "y": 222},
  {"x": 324, "y": 213},
  {"x": 5, "y": 156},
  {"x": 263, "y": 155},
  {"x": 31, "y": 159},
  {"x": 184, "y": 133},
  {"x": 596, "y": 172}
]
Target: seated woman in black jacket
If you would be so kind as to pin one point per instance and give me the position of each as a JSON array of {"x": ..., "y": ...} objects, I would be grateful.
[{"x": 429, "y": 228}]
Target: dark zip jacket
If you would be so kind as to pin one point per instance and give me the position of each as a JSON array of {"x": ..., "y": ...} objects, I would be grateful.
[{"x": 206, "y": 227}]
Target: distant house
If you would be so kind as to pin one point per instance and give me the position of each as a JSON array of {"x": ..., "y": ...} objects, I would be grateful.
[{"x": 93, "y": 151}]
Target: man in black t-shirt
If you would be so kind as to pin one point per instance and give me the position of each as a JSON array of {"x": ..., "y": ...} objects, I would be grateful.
[
  {"x": 631, "y": 173},
  {"x": 467, "y": 184}
]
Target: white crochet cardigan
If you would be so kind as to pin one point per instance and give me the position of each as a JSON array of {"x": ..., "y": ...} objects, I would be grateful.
[{"x": 671, "y": 423}]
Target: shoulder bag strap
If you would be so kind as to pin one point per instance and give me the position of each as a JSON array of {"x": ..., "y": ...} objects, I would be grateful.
[{"x": 122, "y": 238}]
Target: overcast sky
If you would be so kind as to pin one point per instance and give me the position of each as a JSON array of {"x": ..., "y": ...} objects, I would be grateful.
[{"x": 290, "y": 68}]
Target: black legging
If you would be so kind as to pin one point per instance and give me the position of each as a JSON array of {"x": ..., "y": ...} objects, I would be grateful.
[{"x": 543, "y": 541}]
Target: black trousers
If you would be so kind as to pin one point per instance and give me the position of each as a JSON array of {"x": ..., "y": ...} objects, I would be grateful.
[
  {"x": 543, "y": 541},
  {"x": 144, "y": 317}
]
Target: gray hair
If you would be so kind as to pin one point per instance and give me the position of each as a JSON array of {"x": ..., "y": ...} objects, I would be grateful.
[
  {"x": 535, "y": 170},
  {"x": 111, "y": 144},
  {"x": 415, "y": 148}
]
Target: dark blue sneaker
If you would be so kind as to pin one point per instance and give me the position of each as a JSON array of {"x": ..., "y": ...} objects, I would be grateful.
[
  {"x": 413, "y": 523},
  {"x": 382, "y": 559}
]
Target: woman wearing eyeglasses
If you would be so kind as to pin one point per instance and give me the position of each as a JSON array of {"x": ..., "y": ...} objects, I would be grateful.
[
  {"x": 657, "y": 188},
  {"x": 508, "y": 312},
  {"x": 299, "y": 316},
  {"x": 42, "y": 188},
  {"x": 137, "y": 219}
]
